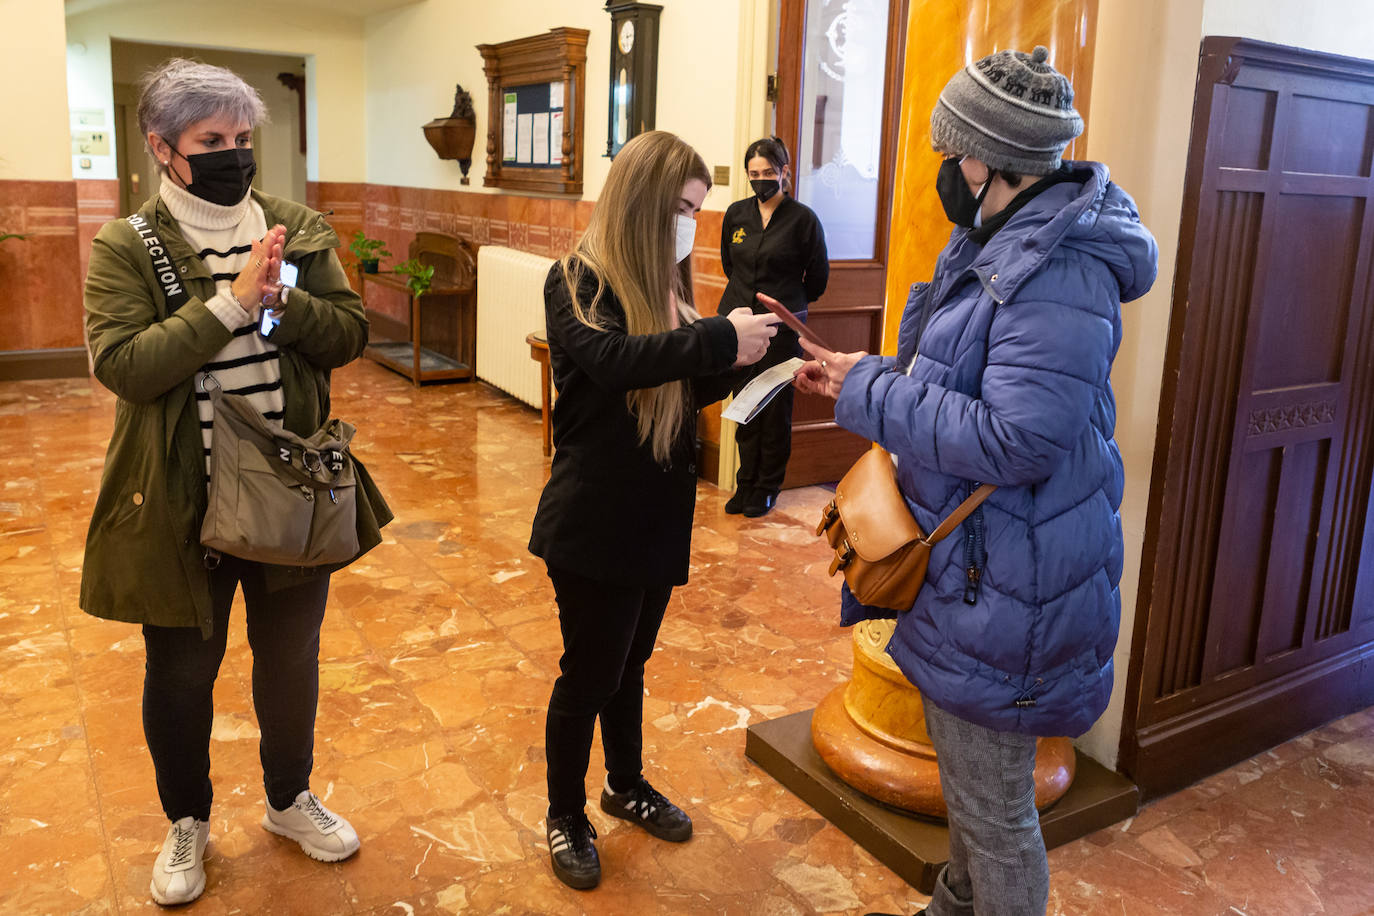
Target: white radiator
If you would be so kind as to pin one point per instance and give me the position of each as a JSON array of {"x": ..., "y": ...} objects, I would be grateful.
[{"x": 510, "y": 304}]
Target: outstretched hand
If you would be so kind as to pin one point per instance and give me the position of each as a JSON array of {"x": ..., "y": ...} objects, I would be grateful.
[{"x": 825, "y": 372}]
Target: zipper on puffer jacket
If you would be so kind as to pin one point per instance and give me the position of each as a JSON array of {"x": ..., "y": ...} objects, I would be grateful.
[{"x": 975, "y": 553}]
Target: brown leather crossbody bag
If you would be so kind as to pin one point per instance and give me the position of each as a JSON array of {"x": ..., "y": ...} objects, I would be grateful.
[{"x": 879, "y": 547}]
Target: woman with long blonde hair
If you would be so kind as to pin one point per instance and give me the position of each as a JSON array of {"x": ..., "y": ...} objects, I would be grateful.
[{"x": 633, "y": 362}]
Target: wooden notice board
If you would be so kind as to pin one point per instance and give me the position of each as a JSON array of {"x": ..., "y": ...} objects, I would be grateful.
[{"x": 536, "y": 87}]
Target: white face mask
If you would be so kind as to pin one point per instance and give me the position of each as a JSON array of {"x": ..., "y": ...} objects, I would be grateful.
[{"x": 686, "y": 232}]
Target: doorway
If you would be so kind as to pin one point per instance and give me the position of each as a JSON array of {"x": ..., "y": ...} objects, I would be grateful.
[
  {"x": 279, "y": 144},
  {"x": 839, "y": 90}
]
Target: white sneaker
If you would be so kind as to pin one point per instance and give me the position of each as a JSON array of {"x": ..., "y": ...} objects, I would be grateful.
[
  {"x": 323, "y": 835},
  {"x": 179, "y": 873}
]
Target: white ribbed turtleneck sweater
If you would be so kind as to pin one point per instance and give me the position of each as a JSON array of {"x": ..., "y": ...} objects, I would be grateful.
[{"x": 249, "y": 363}]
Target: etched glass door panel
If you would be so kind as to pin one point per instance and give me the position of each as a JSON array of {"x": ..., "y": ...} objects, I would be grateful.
[{"x": 839, "y": 160}]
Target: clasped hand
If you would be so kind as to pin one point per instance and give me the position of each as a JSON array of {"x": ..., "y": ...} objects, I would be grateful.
[{"x": 260, "y": 280}]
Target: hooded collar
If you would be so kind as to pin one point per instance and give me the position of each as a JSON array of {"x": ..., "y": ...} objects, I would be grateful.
[{"x": 1088, "y": 213}]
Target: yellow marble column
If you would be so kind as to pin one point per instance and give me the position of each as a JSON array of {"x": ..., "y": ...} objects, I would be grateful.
[
  {"x": 941, "y": 37},
  {"x": 871, "y": 732}
]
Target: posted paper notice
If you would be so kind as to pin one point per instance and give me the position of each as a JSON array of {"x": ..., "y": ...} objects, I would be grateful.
[
  {"x": 541, "y": 138},
  {"x": 508, "y": 130},
  {"x": 556, "y": 137},
  {"x": 524, "y": 128}
]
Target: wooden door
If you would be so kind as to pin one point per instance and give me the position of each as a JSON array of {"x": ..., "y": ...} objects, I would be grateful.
[
  {"x": 1256, "y": 613},
  {"x": 839, "y": 96}
]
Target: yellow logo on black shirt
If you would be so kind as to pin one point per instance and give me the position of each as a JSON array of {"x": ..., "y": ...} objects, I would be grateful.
[{"x": 738, "y": 236}]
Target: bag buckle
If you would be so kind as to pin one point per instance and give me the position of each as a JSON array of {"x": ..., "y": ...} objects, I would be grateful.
[
  {"x": 844, "y": 555},
  {"x": 828, "y": 517}
]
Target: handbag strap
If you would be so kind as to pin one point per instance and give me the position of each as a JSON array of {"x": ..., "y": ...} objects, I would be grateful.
[
  {"x": 164, "y": 268},
  {"x": 956, "y": 518}
]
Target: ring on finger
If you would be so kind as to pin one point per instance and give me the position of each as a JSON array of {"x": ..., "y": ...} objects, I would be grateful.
[{"x": 824, "y": 364}]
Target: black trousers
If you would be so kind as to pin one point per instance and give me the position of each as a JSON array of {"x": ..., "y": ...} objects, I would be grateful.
[
  {"x": 179, "y": 682},
  {"x": 608, "y": 634},
  {"x": 765, "y": 442}
]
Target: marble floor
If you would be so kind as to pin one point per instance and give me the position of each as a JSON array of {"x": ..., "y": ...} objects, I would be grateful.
[{"x": 438, "y": 654}]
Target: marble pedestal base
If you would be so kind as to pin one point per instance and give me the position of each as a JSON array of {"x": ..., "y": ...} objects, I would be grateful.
[{"x": 915, "y": 848}]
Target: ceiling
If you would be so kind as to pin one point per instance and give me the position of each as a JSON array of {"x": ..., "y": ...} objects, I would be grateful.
[{"x": 356, "y": 9}]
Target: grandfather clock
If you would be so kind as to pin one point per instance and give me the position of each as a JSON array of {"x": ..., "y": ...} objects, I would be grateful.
[{"x": 634, "y": 71}]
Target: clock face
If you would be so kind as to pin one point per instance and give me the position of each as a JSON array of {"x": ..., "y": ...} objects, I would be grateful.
[{"x": 627, "y": 36}]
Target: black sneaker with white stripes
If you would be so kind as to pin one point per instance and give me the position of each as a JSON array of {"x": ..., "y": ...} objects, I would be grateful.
[
  {"x": 646, "y": 806},
  {"x": 572, "y": 852}
]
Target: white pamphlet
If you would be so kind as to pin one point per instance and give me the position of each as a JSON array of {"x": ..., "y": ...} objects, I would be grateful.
[
  {"x": 524, "y": 141},
  {"x": 756, "y": 395},
  {"x": 556, "y": 137},
  {"x": 508, "y": 129},
  {"x": 541, "y": 138}
]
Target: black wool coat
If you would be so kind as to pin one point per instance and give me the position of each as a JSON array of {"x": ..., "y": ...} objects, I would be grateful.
[{"x": 610, "y": 511}]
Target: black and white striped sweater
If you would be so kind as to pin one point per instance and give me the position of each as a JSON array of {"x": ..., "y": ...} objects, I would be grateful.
[{"x": 249, "y": 364}]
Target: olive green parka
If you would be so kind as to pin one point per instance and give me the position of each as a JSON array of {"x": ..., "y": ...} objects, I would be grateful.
[{"x": 143, "y": 560}]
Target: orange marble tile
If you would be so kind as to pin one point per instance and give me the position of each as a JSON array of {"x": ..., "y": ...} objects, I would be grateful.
[
  {"x": 437, "y": 657},
  {"x": 97, "y": 202}
]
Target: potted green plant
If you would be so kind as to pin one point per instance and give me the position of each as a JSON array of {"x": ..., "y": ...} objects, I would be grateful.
[
  {"x": 369, "y": 252},
  {"x": 419, "y": 277}
]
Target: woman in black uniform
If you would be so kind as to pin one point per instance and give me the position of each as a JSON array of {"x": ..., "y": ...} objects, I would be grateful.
[
  {"x": 769, "y": 244},
  {"x": 633, "y": 362}
]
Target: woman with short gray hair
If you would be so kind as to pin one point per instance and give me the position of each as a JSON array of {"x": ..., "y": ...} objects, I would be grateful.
[{"x": 196, "y": 284}]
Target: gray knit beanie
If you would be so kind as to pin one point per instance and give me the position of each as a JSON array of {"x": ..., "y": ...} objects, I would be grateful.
[{"x": 1011, "y": 110}]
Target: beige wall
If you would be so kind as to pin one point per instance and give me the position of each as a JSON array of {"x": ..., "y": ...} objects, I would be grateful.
[
  {"x": 415, "y": 55},
  {"x": 34, "y": 137},
  {"x": 1142, "y": 98},
  {"x": 331, "y": 43},
  {"x": 1335, "y": 26}
]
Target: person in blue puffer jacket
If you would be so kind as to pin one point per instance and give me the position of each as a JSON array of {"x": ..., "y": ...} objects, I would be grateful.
[{"x": 1001, "y": 376}]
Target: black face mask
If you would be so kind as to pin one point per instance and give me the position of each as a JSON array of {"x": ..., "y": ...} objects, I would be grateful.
[
  {"x": 221, "y": 177},
  {"x": 961, "y": 204},
  {"x": 765, "y": 188}
]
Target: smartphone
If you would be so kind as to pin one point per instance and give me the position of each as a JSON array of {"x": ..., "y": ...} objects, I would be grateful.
[
  {"x": 269, "y": 322},
  {"x": 793, "y": 322}
]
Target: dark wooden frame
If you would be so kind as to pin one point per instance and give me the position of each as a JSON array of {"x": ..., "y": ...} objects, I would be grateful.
[
  {"x": 1184, "y": 720},
  {"x": 560, "y": 55},
  {"x": 822, "y": 450}
]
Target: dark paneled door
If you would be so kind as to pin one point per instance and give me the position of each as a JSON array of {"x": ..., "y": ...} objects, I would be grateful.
[
  {"x": 1256, "y": 612},
  {"x": 839, "y": 95}
]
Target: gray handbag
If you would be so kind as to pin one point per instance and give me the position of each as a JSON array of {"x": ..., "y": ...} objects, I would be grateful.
[{"x": 274, "y": 496}]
